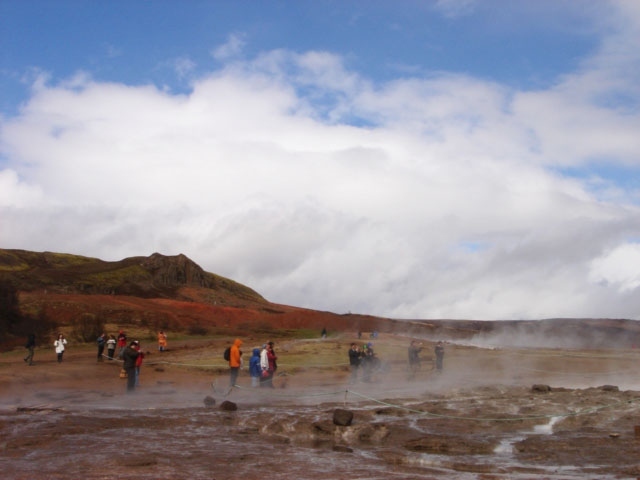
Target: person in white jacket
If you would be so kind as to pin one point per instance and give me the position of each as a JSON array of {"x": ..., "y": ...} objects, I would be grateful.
[
  {"x": 59, "y": 344},
  {"x": 264, "y": 366}
]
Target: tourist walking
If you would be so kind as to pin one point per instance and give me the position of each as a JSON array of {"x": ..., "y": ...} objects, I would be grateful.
[
  {"x": 102, "y": 342},
  {"x": 31, "y": 347},
  {"x": 59, "y": 345}
]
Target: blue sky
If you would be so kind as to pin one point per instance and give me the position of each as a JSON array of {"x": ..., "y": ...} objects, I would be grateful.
[{"x": 415, "y": 159}]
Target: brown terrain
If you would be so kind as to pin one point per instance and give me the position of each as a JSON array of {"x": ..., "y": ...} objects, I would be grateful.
[{"x": 556, "y": 398}]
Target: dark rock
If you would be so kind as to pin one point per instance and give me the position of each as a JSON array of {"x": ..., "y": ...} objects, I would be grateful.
[
  {"x": 540, "y": 388},
  {"x": 209, "y": 401},
  {"x": 342, "y": 417},
  {"x": 609, "y": 388},
  {"x": 228, "y": 406},
  {"x": 342, "y": 448}
]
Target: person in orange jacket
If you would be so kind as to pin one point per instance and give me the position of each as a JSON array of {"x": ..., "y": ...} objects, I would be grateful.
[
  {"x": 235, "y": 361},
  {"x": 162, "y": 341}
]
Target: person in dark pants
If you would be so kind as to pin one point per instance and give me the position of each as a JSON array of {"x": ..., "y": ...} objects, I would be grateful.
[
  {"x": 355, "y": 356},
  {"x": 130, "y": 355},
  {"x": 414, "y": 358},
  {"x": 439, "y": 351},
  {"x": 235, "y": 362},
  {"x": 31, "y": 346},
  {"x": 101, "y": 341}
]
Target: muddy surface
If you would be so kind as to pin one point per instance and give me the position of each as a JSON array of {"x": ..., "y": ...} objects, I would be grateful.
[{"x": 491, "y": 414}]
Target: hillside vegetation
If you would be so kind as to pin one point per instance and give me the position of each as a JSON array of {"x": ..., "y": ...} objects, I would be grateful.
[{"x": 43, "y": 291}]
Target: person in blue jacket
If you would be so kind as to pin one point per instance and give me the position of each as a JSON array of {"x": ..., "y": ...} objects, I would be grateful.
[{"x": 254, "y": 368}]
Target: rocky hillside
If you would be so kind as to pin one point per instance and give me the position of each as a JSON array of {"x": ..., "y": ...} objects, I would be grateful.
[{"x": 173, "y": 292}]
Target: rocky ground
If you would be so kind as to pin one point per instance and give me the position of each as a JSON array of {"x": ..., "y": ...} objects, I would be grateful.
[{"x": 493, "y": 413}]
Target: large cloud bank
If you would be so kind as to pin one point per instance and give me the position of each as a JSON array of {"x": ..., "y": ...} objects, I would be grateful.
[{"x": 439, "y": 197}]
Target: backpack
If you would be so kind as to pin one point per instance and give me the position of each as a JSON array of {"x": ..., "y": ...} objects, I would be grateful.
[{"x": 227, "y": 354}]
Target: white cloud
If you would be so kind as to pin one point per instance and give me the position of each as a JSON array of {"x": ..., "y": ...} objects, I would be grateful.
[
  {"x": 619, "y": 267},
  {"x": 425, "y": 197},
  {"x": 232, "y": 48}
]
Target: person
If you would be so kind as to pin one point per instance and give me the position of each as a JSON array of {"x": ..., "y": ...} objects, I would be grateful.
[
  {"x": 122, "y": 343},
  {"x": 324, "y": 333},
  {"x": 414, "y": 357},
  {"x": 60, "y": 345},
  {"x": 235, "y": 361},
  {"x": 368, "y": 362},
  {"x": 254, "y": 368},
  {"x": 111, "y": 347},
  {"x": 162, "y": 341},
  {"x": 101, "y": 341},
  {"x": 439, "y": 351},
  {"x": 138, "y": 361},
  {"x": 129, "y": 356},
  {"x": 273, "y": 364},
  {"x": 354, "y": 362},
  {"x": 31, "y": 347},
  {"x": 264, "y": 366}
]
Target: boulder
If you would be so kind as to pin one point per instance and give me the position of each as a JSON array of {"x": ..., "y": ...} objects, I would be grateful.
[
  {"x": 540, "y": 388},
  {"x": 342, "y": 417},
  {"x": 228, "y": 406}
]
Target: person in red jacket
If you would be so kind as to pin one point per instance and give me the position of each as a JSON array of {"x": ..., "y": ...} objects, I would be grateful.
[
  {"x": 138, "y": 361},
  {"x": 235, "y": 361}
]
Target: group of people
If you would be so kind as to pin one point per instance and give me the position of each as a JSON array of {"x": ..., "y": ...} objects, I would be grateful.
[
  {"x": 262, "y": 364},
  {"x": 362, "y": 358},
  {"x": 414, "y": 357},
  {"x": 59, "y": 345}
]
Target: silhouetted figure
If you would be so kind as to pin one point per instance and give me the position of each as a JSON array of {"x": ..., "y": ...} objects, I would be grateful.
[
  {"x": 31, "y": 346},
  {"x": 439, "y": 351}
]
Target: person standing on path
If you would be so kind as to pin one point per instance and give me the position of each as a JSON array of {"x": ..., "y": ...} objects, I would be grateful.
[
  {"x": 138, "y": 361},
  {"x": 129, "y": 356},
  {"x": 31, "y": 346},
  {"x": 254, "y": 368},
  {"x": 101, "y": 341},
  {"x": 122, "y": 343},
  {"x": 162, "y": 341},
  {"x": 439, "y": 351},
  {"x": 235, "y": 361},
  {"x": 111, "y": 347},
  {"x": 59, "y": 344},
  {"x": 354, "y": 362},
  {"x": 414, "y": 358}
]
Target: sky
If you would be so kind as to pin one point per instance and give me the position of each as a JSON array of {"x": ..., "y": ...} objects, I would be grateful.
[{"x": 422, "y": 159}]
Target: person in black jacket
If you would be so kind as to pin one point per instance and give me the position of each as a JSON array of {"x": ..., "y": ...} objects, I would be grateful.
[
  {"x": 31, "y": 346},
  {"x": 355, "y": 356},
  {"x": 130, "y": 355}
]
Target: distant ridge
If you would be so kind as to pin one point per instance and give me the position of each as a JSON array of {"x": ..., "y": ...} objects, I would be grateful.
[
  {"x": 155, "y": 276},
  {"x": 173, "y": 292}
]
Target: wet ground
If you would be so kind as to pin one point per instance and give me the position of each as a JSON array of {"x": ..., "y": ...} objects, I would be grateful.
[{"x": 492, "y": 414}]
